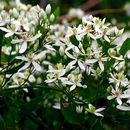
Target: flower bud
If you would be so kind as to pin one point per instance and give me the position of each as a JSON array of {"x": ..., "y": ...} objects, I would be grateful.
[
  {"x": 15, "y": 13},
  {"x": 48, "y": 9},
  {"x": 79, "y": 109},
  {"x": 61, "y": 50},
  {"x": 52, "y": 17}
]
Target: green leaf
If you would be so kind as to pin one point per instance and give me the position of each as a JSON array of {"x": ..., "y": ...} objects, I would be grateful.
[
  {"x": 70, "y": 114},
  {"x": 125, "y": 47},
  {"x": 85, "y": 43},
  {"x": 105, "y": 46},
  {"x": 31, "y": 106},
  {"x": 74, "y": 41},
  {"x": 56, "y": 14},
  {"x": 2, "y": 123},
  {"x": 12, "y": 118}
]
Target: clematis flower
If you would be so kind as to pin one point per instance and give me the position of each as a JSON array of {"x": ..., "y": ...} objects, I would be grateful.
[
  {"x": 14, "y": 28},
  {"x": 97, "y": 58},
  {"x": 74, "y": 79},
  {"x": 31, "y": 60},
  {"x": 75, "y": 57},
  {"x": 116, "y": 93},
  {"x": 93, "y": 110},
  {"x": 79, "y": 32},
  {"x": 23, "y": 41},
  {"x": 5, "y": 19},
  {"x": 55, "y": 74},
  {"x": 118, "y": 78}
]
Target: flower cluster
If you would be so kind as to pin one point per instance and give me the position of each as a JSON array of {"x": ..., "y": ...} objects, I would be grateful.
[{"x": 67, "y": 57}]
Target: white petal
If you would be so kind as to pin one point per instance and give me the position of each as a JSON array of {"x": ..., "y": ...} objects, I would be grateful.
[
  {"x": 101, "y": 66},
  {"x": 81, "y": 65},
  {"x": 69, "y": 55},
  {"x": 34, "y": 38},
  {"x": 15, "y": 79},
  {"x": 125, "y": 96},
  {"x": 21, "y": 75},
  {"x": 106, "y": 38},
  {"x": 119, "y": 101},
  {"x": 99, "y": 109},
  {"x": 22, "y": 58},
  {"x": 38, "y": 56},
  {"x": 68, "y": 83},
  {"x": 50, "y": 80},
  {"x": 23, "y": 47},
  {"x": 124, "y": 108},
  {"x": 14, "y": 41},
  {"x": 51, "y": 69},
  {"x": 110, "y": 97},
  {"x": 72, "y": 63},
  {"x": 25, "y": 66},
  {"x": 37, "y": 66},
  {"x": 5, "y": 29},
  {"x": 9, "y": 34},
  {"x": 62, "y": 72},
  {"x": 13, "y": 86},
  {"x": 118, "y": 58},
  {"x": 98, "y": 114},
  {"x": 72, "y": 87},
  {"x": 91, "y": 61}
]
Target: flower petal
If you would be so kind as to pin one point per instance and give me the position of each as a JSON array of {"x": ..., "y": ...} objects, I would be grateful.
[
  {"x": 21, "y": 58},
  {"x": 14, "y": 41},
  {"x": 98, "y": 114},
  {"x": 122, "y": 107},
  {"x": 23, "y": 47},
  {"x": 91, "y": 61},
  {"x": 72, "y": 87},
  {"x": 34, "y": 38},
  {"x": 37, "y": 66},
  {"x": 81, "y": 65},
  {"x": 24, "y": 67},
  {"x": 9, "y": 34}
]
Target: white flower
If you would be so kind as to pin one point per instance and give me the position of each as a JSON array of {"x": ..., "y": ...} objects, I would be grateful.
[
  {"x": 24, "y": 40},
  {"x": 11, "y": 30},
  {"x": 113, "y": 54},
  {"x": 119, "y": 78},
  {"x": 79, "y": 32},
  {"x": 97, "y": 58},
  {"x": 74, "y": 80},
  {"x": 118, "y": 95},
  {"x": 93, "y": 110},
  {"x": 55, "y": 74},
  {"x": 31, "y": 60},
  {"x": 74, "y": 57},
  {"x": 5, "y": 19}
]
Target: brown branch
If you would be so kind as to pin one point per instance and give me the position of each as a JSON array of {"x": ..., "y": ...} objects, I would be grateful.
[
  {"x": 96, "y": 12},
  {"x": 89, "y": 4},
  {"x": 106, "y": 11}
]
